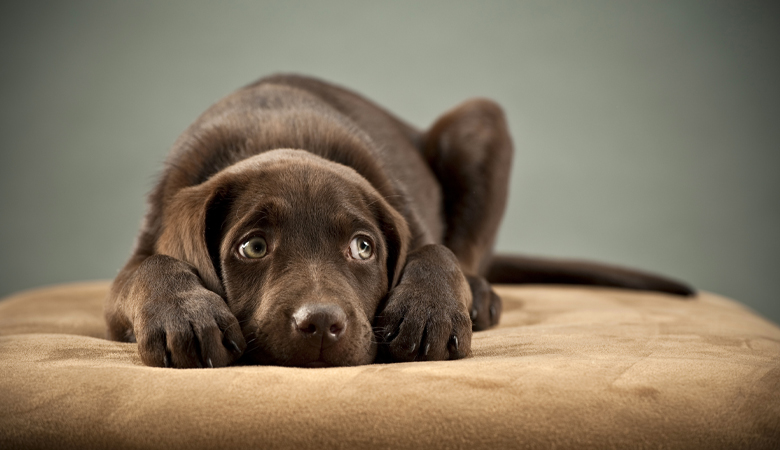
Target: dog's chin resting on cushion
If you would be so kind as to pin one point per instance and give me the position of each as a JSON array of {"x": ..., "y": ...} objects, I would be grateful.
[{"x": 298, "y": 224}]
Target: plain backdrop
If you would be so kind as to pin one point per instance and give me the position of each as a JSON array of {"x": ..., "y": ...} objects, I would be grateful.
[{"x": 646, "y": 133}]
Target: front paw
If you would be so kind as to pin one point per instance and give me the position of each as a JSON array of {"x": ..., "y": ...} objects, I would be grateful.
[
  {"x": 191, "y": 329},
  {"x": 426, "y": 316}
]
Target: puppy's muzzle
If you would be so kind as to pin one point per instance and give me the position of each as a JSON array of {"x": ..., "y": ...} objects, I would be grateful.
[{"x": 320, "y": 326}]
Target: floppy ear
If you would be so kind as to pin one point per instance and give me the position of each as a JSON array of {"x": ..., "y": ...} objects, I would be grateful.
[
  {"x": 192, "y": 229},
  {"x": 397, "y": 236}
]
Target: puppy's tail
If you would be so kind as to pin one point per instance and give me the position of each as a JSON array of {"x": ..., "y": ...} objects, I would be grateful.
[{"x": 532, "y": 270}]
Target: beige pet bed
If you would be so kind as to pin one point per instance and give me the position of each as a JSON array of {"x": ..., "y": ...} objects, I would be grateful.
[{"x": 569, "y": 367}]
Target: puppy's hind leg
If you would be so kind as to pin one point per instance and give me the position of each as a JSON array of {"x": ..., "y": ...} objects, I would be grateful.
[{"x": 470, "y": 151}]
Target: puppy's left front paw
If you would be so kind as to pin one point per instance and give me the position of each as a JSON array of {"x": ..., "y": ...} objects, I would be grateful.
[{"x": 426, "y": 316}]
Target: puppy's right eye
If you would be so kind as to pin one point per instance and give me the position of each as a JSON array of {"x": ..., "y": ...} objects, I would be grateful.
[{"x": 253, "y": 248}]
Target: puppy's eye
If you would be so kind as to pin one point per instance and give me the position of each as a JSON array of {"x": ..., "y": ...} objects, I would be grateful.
[
  {"x": 253, "y": 248},
  {"x": 360, "y": 248}
]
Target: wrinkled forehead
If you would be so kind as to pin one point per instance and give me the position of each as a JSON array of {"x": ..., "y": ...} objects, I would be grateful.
[
  {"x": 294, "y": 186},
  {"x": 291, "y": 164}
]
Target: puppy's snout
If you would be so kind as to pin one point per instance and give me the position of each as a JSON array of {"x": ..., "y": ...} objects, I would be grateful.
[{"x": 322, "y": 323}]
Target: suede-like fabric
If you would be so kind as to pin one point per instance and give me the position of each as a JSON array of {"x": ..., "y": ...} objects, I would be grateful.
[{"x": 569, "y": 367}]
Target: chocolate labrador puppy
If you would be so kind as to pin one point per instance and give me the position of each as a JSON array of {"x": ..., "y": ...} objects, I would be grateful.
[{"x": 296, "y": 223}]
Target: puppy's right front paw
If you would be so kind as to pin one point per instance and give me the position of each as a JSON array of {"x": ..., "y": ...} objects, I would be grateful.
[{"x": 192, "y": 329}]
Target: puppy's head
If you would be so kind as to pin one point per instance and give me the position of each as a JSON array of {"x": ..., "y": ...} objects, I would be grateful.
[{"x": 302, "y": 249}]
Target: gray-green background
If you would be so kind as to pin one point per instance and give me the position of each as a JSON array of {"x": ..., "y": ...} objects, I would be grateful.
[{"x": 646, "y": 133}]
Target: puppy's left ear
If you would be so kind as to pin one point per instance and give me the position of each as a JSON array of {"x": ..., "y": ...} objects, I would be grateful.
[
  {"x": 397, "y": 236},
  {"x": 192, "y": 230}
]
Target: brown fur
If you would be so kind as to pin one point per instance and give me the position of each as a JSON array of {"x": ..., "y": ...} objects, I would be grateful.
[{"x": 310, "y": 167}]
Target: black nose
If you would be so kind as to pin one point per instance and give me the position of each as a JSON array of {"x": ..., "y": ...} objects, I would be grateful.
[{"x": 321, "y": 323}]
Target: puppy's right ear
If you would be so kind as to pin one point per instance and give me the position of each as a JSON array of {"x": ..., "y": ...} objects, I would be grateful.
[{"x": 192, "y": 229}]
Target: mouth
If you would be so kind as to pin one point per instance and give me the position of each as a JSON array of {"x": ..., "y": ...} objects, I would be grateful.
[
  {"x": 317, "y": 364},
  {"x": 303, "y": 355},
  {"x": 257, "y": 357}
]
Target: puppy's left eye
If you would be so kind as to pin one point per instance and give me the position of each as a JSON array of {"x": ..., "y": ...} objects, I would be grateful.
[{"x": 360, "y": 248}]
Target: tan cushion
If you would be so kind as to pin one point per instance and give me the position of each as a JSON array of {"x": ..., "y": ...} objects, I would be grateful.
[{"x": 569, "y": 367}]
